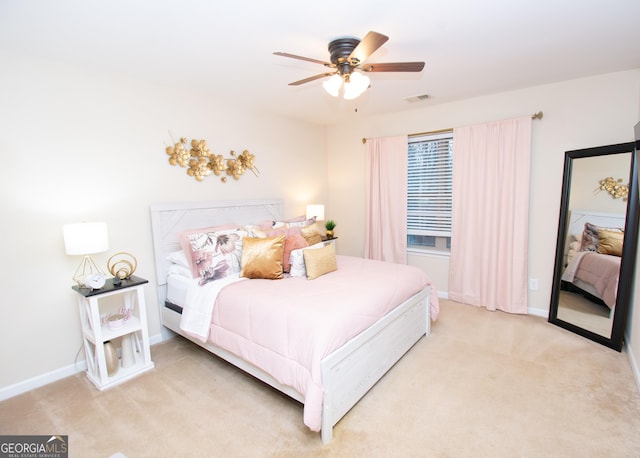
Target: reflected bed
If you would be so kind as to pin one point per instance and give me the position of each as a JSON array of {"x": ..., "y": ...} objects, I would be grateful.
[{"x": 592, "y": 260}]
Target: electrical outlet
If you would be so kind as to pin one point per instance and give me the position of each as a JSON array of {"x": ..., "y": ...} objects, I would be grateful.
[{"x": 533, "y": 284}]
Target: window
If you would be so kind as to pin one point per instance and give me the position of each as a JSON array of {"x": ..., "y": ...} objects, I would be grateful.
[{"x": 430, "y": 166}]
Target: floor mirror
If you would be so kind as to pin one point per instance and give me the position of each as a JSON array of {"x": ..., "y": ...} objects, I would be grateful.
[{"x": 596, "y": 245}]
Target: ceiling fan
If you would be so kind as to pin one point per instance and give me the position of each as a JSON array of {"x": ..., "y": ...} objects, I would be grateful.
[{"x": 347, "y": 64}]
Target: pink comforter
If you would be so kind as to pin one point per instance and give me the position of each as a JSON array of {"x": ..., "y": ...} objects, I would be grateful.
[
  {"x": 285, "y": 327},
  {"x": 601, "y": 271}
]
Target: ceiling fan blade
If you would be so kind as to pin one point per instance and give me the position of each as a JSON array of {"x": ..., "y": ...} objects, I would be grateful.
[
  {"x": 311, "y": 78},
  {"x": 308, "y": 59},
  {"x": 369, "y": 44},
  {"x": 393, "y": 67}
]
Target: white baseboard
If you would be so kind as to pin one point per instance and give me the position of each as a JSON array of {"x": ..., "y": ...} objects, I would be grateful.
[
  {"x": 544, "y": 313},
  {"x": 633, "y": 362},
  {"x": 53, "y": 376},
  {"x": 156, "y": 339},
  {"x": 41, "y": 380}
]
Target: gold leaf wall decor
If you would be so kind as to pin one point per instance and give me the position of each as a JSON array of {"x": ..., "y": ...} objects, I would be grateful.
[
  {"x": 614, "y": 187},
  {"x": 201, "y": 162}
]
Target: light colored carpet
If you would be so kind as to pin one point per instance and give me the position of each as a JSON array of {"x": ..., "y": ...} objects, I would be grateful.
[{"x": 484, "y": 384}]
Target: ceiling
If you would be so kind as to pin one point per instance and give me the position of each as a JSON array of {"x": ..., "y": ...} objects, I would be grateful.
[{"x": 225, "y": 47}]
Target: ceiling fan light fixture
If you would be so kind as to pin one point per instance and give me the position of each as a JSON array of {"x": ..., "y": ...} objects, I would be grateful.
[
  {"x": 357, "y": 84},
  {"x": 332, "y": 85},
  {"x": 347, "y": 55}
]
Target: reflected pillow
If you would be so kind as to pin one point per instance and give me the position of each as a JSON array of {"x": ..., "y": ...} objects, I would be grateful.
[
  {"x": 590, "y": 239},
  {"x": 610, "y": 242},
  {"x": 262, "y": 257},
  {"x": 319, "y": 262}
]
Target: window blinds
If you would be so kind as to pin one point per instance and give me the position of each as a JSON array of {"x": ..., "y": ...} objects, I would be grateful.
[{"x": 430, "y": 165}]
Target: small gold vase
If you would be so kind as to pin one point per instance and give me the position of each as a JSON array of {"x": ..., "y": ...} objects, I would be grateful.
[{"x": 329, "y": 234}]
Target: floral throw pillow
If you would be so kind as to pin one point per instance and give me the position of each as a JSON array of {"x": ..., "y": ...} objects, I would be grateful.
[
  {"x": 216, "y": 254},
  {"x": 589, "y": 238}
]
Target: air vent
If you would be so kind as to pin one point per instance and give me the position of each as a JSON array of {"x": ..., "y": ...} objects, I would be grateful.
[{"x": 417, "y": 98}]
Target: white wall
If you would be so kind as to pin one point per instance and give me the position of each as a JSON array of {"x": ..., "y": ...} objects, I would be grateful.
[
  {"x": 77, "y": 146},
  {"x": 580, "y": 113}
]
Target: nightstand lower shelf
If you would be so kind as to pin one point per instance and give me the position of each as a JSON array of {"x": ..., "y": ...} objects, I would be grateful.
[
  {"x": 123, "y": 374},
  {"x": 140, "y": 365}
]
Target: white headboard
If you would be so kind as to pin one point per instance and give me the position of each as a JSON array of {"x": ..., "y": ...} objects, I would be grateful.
[{"x": 169, "y": 219}]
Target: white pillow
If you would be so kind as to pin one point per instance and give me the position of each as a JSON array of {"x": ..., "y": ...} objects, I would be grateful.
[
  {"x": 179, "y": 258},
  {"x": 296, "y": 258},
  {"x": 182, "y": 271}
]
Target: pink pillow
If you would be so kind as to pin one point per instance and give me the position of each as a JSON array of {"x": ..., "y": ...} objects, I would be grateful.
[
  {"x": 284, "y": 230},
  {"x": 293, "y": 242},
  {"x": 296, "y": 219},
  {"x": 293, "y": 236}
]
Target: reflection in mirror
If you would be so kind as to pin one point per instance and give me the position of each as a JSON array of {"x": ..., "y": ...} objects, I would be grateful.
[{"x": 595, "y": 253}]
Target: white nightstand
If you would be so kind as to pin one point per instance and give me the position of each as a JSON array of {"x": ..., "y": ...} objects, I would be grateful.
[
  {"x": 133, "y": 332},
  {"x": 332, "y": 241}
]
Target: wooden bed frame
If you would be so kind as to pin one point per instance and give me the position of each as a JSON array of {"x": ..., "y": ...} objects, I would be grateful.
[{"x": 347, "y": 373}]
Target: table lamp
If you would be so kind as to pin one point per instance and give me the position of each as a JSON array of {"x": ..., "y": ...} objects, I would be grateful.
[{"x": 85, "y": 239}]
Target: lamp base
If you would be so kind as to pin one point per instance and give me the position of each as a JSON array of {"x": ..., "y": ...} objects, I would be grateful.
[{"x": 87, "y": 267}]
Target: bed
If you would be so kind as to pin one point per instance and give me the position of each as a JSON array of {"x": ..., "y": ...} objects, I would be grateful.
[
  {"x": 592, "y": 258},
  {"x": 318, "y": 341}
]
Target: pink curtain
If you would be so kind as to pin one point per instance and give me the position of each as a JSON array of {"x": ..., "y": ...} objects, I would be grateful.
[
  {"x": 386, "y": 199},
  {"x": 490, "y": 217}
]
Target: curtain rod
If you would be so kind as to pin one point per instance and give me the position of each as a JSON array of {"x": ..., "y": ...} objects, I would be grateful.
[{"x": 537, "y": 115}]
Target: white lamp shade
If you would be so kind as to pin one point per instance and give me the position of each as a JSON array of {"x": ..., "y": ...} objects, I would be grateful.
[
  {"x": 316, "y": 210},
  {"x": 358, "y": 83},
  {"x": 85, "y": 238},
  {"x": 333, "y": 84}
]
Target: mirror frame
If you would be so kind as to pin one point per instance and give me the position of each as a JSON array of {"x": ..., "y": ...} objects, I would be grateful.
[{"x": 627, "y": 262}]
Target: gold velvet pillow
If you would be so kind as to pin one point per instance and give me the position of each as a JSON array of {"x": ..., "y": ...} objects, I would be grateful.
[
  {"x": 610, "y": 242},
  {"x": 319, "y": 262},
  {"x": 311, "y": 234},
  {"x": 262, "y": 257}
]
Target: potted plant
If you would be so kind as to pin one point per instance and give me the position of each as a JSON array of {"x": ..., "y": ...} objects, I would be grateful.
[{"x": 330, "y": 225}]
